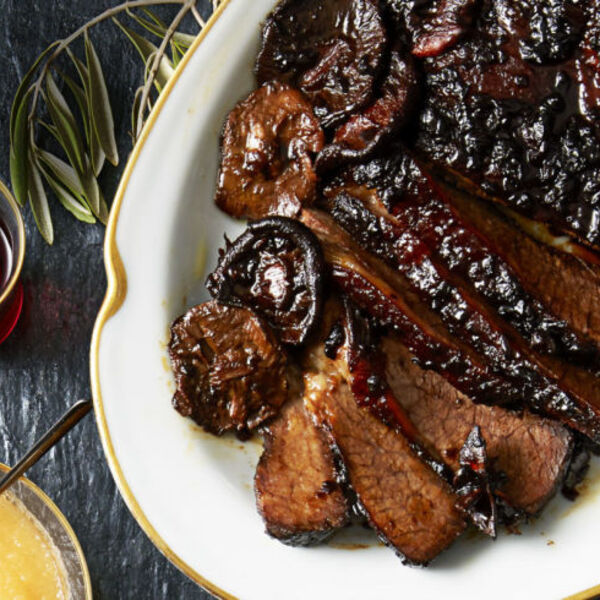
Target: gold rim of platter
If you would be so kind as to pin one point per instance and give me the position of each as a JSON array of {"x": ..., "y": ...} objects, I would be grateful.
[
  {"x": 12, "y": 203},
  {"x": 115, "y": 296}
]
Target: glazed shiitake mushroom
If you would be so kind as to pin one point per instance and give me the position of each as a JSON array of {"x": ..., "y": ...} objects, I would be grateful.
[
  {"x": 331, "y": 51},
  {"x": 230, "y": 371},
  {"x": 365, "y": 131},
  {"x": 276, "y": 267},
  {"x": 267, "y": 150}
]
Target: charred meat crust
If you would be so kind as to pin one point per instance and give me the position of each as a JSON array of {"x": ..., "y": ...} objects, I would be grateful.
[
  {"x": 377, "y": 290},
  {"x": 508, "y": 108},
  {"x": 401, "y": 200},
  {"x": 533, "y": 452},
  {"x": 230, "y": 371},
  {"x": 568, "y": 286},
  {"x": 298, "y": 492}
]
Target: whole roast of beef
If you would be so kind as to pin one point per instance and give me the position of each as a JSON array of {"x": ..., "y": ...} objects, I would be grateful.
[{"x": 411, "y": 320}]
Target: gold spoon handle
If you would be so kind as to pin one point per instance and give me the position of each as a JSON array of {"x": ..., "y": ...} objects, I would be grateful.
[{"x": 52, "y": 436}]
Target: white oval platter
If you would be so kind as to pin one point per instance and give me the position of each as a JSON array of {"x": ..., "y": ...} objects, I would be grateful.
[{"x": 192, "y": 493}]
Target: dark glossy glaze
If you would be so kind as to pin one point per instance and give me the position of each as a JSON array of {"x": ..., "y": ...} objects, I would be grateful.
[
  {"x": 276, "y": 268},
  {"x": 267, "y": 149},
  {"x": 331, "y": 51},
  {"x": 230, "y": 371},
  {"x": 512, "y": 108},
  {"x": 420, "y": 222}
]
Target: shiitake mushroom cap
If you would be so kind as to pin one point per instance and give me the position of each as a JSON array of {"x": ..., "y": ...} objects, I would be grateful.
[
  {"x": 230, "y": 370},
  {"x": 267, "y": 149},
  {"x": 331, "y": 51},
  {"x": 275, "y": 267}
]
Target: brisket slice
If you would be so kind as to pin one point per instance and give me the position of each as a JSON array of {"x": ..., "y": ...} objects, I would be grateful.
[
  {"x": 512, "y": 110},
  {"x": 568, "y": 286},
  {"x": 296, "y": 484},
  {"x": 378, "y": 291},
  {"x": 411, "y": 508},
  {"x": 533, "y": 452},
  {"x": 406, "y": 216}
]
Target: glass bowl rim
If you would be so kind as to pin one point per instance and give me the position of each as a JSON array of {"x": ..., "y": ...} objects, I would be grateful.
[
  {"x": 65, "y": 525},
  {"x": 12, "y": 204}
]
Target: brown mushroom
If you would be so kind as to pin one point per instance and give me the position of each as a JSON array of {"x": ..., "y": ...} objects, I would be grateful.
[
  {"x": 330, "y": 50},
  {"x": 267, "y": 147},
  {"x": 276, "y": 267},
  {"x": 230, "y": 371},
  {"x": 365, "y": 131}
]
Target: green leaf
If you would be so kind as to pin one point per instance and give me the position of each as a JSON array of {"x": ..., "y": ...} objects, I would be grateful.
[
  {"x": 103, "y": 212},
  {"x": 23, "y": 88},
  {"x": 19, "y": 151},
  {"x": 96, "y": 153},
  {"x": 147, "y": 50},
  {"x": 76, "y": 208},
  {"x": 92, "y": 195},
  {"x": 156, "y": 26},
  {"x": 65, "y": 123},
  {"x": 39, "y": 204},
  {"x": 102, "y": 116},
  {"x": 63, "y": 172},
  {"x": 82, "y": 102}
]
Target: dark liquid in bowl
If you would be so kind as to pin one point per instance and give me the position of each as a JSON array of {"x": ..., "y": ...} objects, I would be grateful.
[{"x": 6, "y": 257}]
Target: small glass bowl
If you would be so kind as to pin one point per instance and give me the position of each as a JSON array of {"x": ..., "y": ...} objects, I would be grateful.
[
  {"x": 60, "y": 532},
  {"x": 11, "y": 294}
]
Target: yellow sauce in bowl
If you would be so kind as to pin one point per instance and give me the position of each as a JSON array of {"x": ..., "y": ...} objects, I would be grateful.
[{"x": 30, "y": 566}]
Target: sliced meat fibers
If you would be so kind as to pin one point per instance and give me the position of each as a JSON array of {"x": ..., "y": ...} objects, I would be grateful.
[
  {"x": 531, "y": 451},
  {"x": 410, "y": 507},
  {"x": 378, "y": 290},
  {"x": 411, "y": 226},
  {"x": 568, "y": 286},
  {"x": 296, "y": 483},
  {"x": 512, "y": 110},
  {"x": 408, "y": 211}
]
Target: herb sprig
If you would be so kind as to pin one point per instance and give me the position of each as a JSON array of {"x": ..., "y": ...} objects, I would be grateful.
[{"x": 74, "y": 109}]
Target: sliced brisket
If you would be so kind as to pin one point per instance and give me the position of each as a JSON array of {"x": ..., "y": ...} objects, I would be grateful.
[
  {"x": 569, "y": 287},
  {"x": 380, "y": 292},
  {"x": 296, "y": 484},
  {"x": 410, "y": 507},
  {"x": 531, "y": 451},
  {"x": 511, "y": 111}
]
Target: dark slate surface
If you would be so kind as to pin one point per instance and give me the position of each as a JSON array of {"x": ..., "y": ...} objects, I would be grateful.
[{"x": 44, "y": 364}]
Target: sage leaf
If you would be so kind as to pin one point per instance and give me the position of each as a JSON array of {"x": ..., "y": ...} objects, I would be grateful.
[
  {"x": 157, "y": 27},
  {"x": 147, "y": 50},
  {"x": 103, "y": 211},
  {"x": 39, "y": 204},
  {"x": 22, "y": 90},
  {"x": 82, "y": 102},
  {"x": 19, "y": 151},
  {"x": 63, "y": 172},
  {"x": 66, "y": 126},
  {"x": 91, "y": 187},
  {"x": 96, "y": 153},
  {"x": 102, "y": 116},
  {"x": 76, "y": 208}
]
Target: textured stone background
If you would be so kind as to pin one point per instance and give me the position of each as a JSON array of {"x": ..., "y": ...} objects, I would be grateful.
[{"x": 44, "y": 364}]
